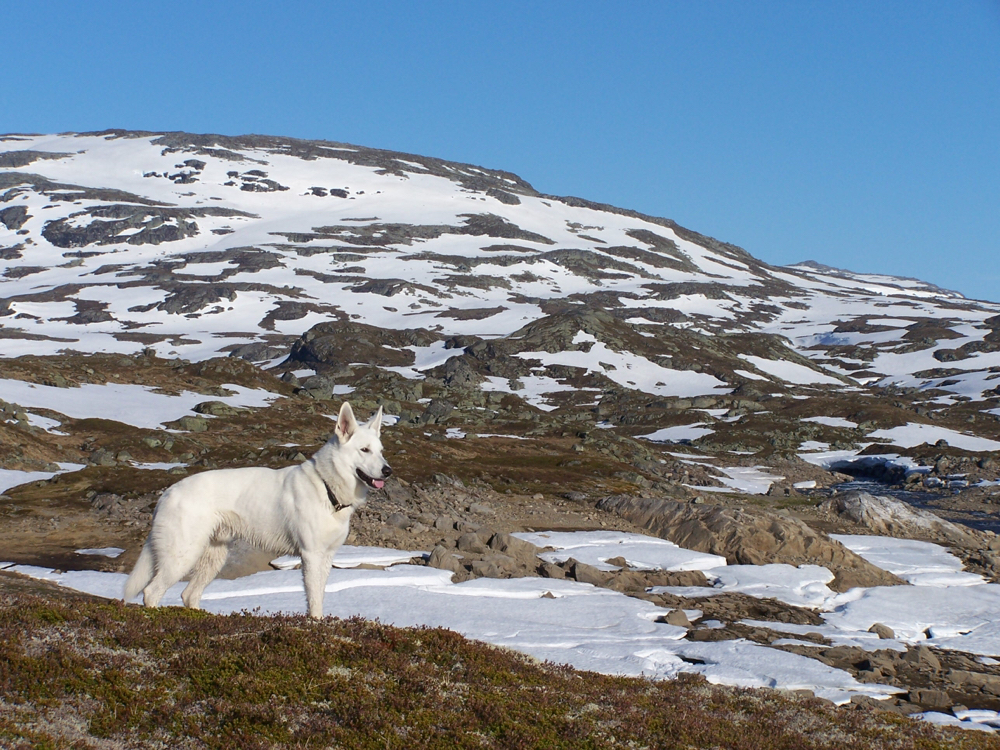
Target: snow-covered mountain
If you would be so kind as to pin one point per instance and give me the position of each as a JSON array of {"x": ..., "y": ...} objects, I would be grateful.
[{"x": 199, "y": 245}]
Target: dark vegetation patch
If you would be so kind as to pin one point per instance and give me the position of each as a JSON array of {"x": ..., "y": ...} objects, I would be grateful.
[
  {"x": 386, "y": 234},
  {"x": 11, "y": 253},
  {"x": 478, "y": 313},
  {"x": 77, "y": 673},
  {"x": 132, "y": 225},
  {"x": 13, "y": 217},
  {"x": 18, "y": 159},
  {"x": 18, "y": 182},
  {"x": 471, "y": 281},
  {"x": 19, "y": 272}
]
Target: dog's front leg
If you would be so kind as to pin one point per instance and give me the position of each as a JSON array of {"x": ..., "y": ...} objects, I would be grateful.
[{"x": 315, "y": 572}]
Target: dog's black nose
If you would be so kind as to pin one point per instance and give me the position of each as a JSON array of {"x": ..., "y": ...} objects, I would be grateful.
[{"x": 386, "y": 470}]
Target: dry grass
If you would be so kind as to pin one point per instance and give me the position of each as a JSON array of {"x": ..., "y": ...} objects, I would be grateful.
[{"x": 84, "y": 674}]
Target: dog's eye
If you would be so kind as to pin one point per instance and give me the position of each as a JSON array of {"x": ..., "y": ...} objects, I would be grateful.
[{"x": 366, "y": 450}]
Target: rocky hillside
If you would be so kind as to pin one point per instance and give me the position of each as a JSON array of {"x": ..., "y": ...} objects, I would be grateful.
[{"x": 460, "y": 295}]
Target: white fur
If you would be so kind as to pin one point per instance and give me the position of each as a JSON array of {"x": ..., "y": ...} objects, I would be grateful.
[{"x": 286, "y": 511}]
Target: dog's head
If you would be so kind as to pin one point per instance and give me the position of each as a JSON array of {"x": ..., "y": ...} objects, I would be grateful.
[{"x": 360, "y": 449}]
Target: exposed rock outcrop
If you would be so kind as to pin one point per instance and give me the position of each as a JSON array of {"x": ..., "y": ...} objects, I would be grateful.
[
  {"x": 748, "y": 536},
  {"x": 886, "y": 516}
]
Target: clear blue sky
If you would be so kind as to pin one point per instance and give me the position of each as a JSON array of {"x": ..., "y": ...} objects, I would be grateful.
[{"x": 863, "y": 134}]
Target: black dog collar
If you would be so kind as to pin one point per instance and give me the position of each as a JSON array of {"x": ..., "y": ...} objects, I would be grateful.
[{"x": 337, "y": 506}]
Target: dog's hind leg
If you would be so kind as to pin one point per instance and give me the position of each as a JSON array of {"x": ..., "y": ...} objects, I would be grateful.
[
  {"x": 156, "y": 588},
  {"x": 169, "y": 571},
  {"x": 205, "y": 571}
]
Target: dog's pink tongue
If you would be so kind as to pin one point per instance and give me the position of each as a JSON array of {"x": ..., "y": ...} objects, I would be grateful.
[{"x": 379, "y": 484}]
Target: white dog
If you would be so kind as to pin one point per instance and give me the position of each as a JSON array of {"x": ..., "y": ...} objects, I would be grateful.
[{"x": 304, "y": 509}]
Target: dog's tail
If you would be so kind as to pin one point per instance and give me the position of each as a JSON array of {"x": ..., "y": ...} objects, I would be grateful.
[{"x": 141, "y": 575}]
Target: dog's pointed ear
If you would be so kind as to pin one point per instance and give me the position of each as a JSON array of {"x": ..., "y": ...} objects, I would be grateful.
[
  {"x": 346, "y": 423},
  {"x": 376, "y": 422}
]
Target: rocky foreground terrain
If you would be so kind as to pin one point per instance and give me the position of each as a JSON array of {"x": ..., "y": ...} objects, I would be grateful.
[{"x": 553, "y": 363}]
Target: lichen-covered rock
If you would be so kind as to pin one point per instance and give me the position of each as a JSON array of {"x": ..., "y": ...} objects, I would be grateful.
[{"x": 338, "y": 344}]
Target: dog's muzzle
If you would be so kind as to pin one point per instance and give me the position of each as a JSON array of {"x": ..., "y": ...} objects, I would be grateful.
[{"x": 372, "y": 481}]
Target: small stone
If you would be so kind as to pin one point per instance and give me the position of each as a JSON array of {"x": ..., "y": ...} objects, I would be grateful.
[
  {"x": 217, "y": 409},
  {"x": 538, "y": 497},
  {"x": 399, "y": 520},
  {"x": 678, "y": 618},
  {"x": 707, "y": 635},
  {"x": 102, "y": 457},
  {"x": 884, "y": 632},
  {"x": 444, "y": 523},
  {"x": 193, "y": 424},
  {"x": 481, "y": 509}
]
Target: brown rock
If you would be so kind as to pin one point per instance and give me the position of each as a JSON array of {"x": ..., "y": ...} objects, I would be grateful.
[
  {"x": 628, "y": 580},
  {"x": 444, "y": 559},
  {"x": 922, "y": 657},
  {"x": 517, "y": 548},
  {"x": 991, "y": 686},
  {"x": 487, "y": 569},
  {"x": 967, "y": 680},
  {"x": 470, "y": 542},
  {"x": 676, "y": 578},
  {"x": 931, "y": 698},
  {"x": 551, "y": 570},
  {"x": 587, "y": 573}
]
